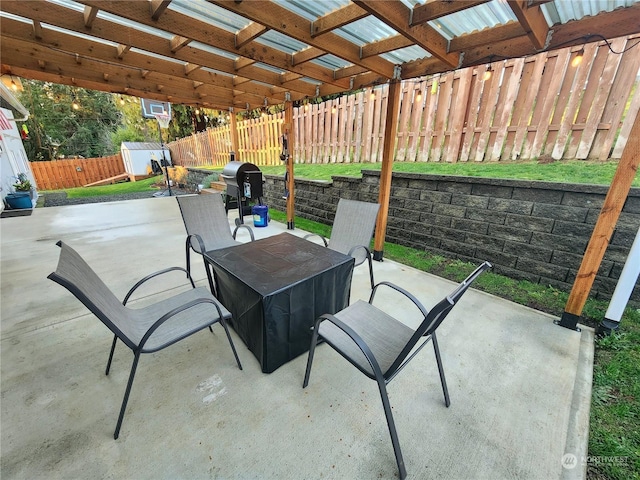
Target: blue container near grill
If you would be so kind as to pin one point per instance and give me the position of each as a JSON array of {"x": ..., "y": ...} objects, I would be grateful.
[{"x": 260, "y": 215}]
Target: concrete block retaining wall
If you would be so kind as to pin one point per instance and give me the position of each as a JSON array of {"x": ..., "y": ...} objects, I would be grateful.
[{"x": 530, "y": 230}]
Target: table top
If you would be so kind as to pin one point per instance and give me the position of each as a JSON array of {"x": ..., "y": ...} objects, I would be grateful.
[{"x": 271, "y": 264}]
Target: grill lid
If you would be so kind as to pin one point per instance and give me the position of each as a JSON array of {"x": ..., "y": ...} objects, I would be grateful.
[{"x": 234, "y": 172}]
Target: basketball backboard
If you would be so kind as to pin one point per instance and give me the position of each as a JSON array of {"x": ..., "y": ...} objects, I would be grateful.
[{"x": 151, "y": 107}]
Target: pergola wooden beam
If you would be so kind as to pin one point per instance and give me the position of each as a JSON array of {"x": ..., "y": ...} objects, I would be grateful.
[
  {"x": 603, "y": 229},
  {"x": 200, "y": 31},
  {"x": 177, "y": 42},
  {"x": 249, "y": 34},
  {"x": 90, "y": 14},
  {"x": 306, "y": 55},
  {"x": 433, "y": 9},
  {"x": 532, "y": 20},
  {"x": 336, "y": 19},
  {"x": 61, "y": 41},
  {"x": 157, "y": 8},
  {"x": 285, "y": 21},
  {"x": 398, "y": 16},
  {"x": 24, "y": 55},
  {"x": 104, "y": 29},
  {"x": 385, "y": 45}
]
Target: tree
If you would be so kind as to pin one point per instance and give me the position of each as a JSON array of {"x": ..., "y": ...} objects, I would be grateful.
[{"x": 68, "y": 121}]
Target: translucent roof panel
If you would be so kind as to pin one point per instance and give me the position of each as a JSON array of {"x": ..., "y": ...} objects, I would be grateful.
[
  {"x": 331, "y": 61},
  {"x": 406, "y": 54},
  {"x": 311, "y": 10},
  {"x": 116, "y": 19},
  {"x": 215, "y": 51},
  {"x": 365, "y": 30},
  {"x": 281, "y": 42},
  {"x": 212, "y": 14},
  {"x": 563, "y": 12}
]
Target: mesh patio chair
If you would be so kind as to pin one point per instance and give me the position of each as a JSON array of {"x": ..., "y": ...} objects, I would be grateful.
[
  {"x": 143, "y": 330},
  {"x": 380, "y": 346},
  {"x": 352, "y": 231},
  {"x": 205, "y": 220}
]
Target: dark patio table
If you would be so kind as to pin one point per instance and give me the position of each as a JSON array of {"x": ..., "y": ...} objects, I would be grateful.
[{"x": 275, "y": 288}]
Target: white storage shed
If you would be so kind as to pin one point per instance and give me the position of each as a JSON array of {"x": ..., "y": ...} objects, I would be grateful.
[{"x": 138, "y": 157}]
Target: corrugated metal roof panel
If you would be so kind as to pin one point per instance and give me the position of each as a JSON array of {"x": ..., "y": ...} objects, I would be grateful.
[{"x": 565, "y": 11}]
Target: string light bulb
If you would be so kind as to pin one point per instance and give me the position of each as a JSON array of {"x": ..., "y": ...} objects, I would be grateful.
[
  {"x": 419, "y": 96},
  {"x": 14, "y": 86},
  {"x": 121, "y": 100},
  {"x": 487, "y": 74},
  {"x": 577, "y": 60}
]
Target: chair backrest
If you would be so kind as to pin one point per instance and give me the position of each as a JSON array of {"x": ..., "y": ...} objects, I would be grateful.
[
  {"x": 205, "y": 215},
  {"x": 78, "y": 277},
  {"x": 353, "y": 226},
  {"x": 437, "y": 314}
]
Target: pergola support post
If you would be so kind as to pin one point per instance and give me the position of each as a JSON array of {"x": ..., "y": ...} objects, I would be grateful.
[
  {"x": 233, "y": 128},
  {"x": 603, "y": 230},
  {"x": 289, "y": 180},
  {"x": 388, "y": 152}
]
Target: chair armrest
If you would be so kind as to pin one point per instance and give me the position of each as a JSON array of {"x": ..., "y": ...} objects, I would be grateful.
[
  {"x": 316, "y": 235},
  {"x": 153, "y": 275},
  {"x": 172, "y": 313},
  {"x": 404, "y": 292},
  {"x": 357, "y": 339},
  {"x": 198, "y": 239},
  {"x": 235, "y": 231}
]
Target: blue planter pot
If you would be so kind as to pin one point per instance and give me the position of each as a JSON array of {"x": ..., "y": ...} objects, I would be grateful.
[{"x": 19, "y": 200}]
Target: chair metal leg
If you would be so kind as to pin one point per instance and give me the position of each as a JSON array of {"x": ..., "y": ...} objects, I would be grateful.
[
  {"x": 443, "y": 380},
  {"x": 392, "y": 428},
  {"x": 188, "y": 255},
  {"x": 314, "y": 342},
  {"x": 370, "y": 270},
  {"x": 136, "y": 357},
  {"x": 113, "y": 347},
  {"x": 235, "y": 354}
]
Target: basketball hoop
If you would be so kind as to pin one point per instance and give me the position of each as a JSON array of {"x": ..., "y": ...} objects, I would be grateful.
[{"x": 163, "y": 119}]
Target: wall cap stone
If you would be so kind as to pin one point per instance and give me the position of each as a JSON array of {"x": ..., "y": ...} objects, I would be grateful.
[{"x": 570, "y": 187}]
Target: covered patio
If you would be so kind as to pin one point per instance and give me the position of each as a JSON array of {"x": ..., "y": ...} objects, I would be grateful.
[{"x": 520, "y": 386}]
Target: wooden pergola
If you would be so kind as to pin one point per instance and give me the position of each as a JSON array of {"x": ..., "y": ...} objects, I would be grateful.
[{"x": 244, "y": 54}]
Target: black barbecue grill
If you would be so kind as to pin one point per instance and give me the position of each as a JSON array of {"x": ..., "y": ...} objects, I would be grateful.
[{"x": 244, "y": 184}]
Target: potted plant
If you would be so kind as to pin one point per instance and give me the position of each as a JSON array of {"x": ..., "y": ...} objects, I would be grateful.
[
  {"x": 23, "y": 193},
  {"x": 23, "y": 184}
]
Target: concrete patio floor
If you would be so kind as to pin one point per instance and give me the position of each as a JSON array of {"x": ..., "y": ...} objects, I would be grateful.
[{"x": 520, "y": 386}]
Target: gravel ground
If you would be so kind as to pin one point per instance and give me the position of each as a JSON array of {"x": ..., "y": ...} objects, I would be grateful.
[{"x": 58, "y": 199}]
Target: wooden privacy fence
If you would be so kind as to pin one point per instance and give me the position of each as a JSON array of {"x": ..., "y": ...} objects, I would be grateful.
[
  {"x": 59, "y": 174},
  {"x": 540, "y": 106}
]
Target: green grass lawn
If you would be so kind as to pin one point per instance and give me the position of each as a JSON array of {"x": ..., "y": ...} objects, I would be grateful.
[
  {"x": 614, "y": 434},
  {"x": 575, "y": 171},
  {"x": 115, "y": 189}
]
